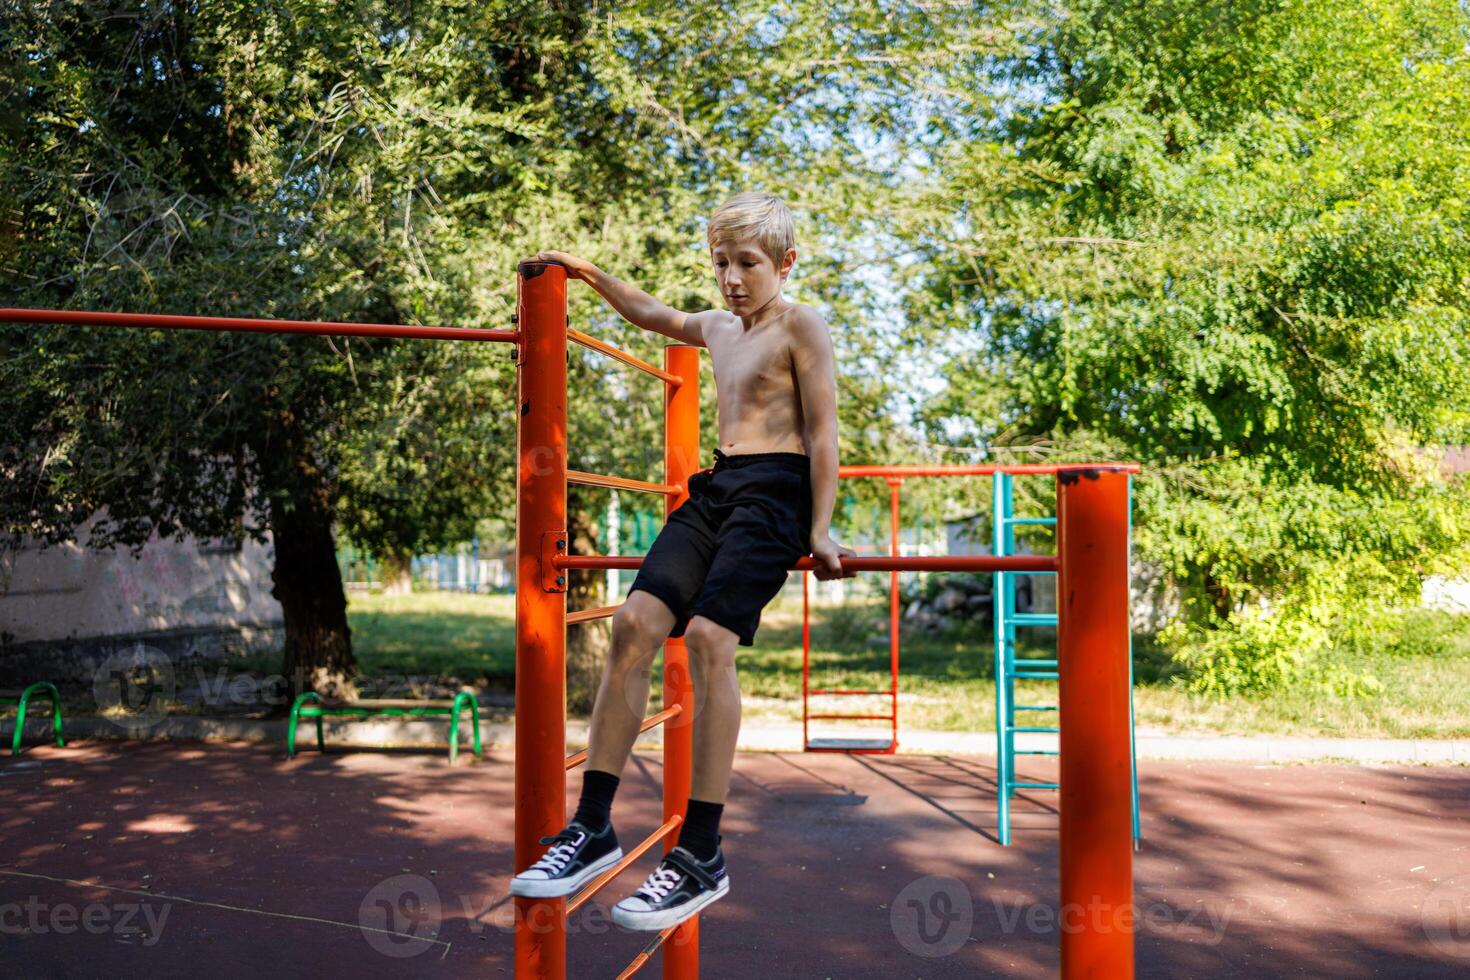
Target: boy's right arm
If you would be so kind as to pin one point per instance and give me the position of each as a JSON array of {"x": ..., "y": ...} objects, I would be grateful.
[{"x": 635, "y": 306}]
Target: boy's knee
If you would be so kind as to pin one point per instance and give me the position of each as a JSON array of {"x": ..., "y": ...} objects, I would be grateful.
[
  {"x": 708, "y": 640},
  {"x": 633, "y": 638}
]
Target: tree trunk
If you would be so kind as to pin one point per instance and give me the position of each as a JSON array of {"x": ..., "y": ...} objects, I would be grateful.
[
  {"x": 307, "y": 581},
  {"x": 396, "y": 574},
  {"x": 587, "y": 643}
]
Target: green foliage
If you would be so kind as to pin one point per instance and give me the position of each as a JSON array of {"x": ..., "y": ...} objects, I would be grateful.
[
  {"x": 389, "y": 162},
  {"x": 1429, "y": 633},
  {"x": 1227, "y": 239},
  {"x": 303, "y": 160}
]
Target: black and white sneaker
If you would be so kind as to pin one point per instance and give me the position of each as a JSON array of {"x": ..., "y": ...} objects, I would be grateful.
[
  {"x": 576, "y": 856},
  {"x": 677, "y": 889}
]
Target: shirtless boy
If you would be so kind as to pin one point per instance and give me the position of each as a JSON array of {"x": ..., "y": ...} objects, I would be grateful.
[{"x": 722, "y": 555}]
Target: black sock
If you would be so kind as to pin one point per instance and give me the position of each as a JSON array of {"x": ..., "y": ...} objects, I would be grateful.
[
  {"x": 595, "y": 808},
  {"x": 700, "y": 834}
]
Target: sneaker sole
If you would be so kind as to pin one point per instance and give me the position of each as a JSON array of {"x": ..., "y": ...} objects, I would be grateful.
[
  {"x": 659, "y": 921},
  {"x": 562, "y": 887}
]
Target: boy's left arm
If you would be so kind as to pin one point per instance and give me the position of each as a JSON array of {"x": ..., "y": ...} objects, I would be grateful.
[{"x": 816, "y": 384}]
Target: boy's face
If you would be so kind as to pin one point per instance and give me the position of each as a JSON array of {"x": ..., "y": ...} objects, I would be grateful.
[{"x": 747, "y": 277}]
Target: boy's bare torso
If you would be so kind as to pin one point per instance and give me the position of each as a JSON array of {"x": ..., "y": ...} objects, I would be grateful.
[{"x": 758, "y": 402}]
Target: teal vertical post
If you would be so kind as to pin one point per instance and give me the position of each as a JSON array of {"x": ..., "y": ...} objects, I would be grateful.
[{"x": 1008, "y": 619}]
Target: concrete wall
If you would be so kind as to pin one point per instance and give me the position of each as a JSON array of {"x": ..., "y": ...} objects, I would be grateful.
[{"x": 62, "y": 608}]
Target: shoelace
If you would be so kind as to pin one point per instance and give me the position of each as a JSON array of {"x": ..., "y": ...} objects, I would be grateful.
[
  {"x": 556, "y": 858},
  {"x": 660, "y": 883}
]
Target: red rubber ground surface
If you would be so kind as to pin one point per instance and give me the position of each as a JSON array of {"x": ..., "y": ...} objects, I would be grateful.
[{"x": 123, "y": 859}]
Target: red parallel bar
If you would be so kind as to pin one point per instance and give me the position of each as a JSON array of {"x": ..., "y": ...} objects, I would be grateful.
[
  {"x": 833, "y": 690},
  {"x": 667, "y": 377},
  {"x": 587, "y": 615},
  {"x": 601, "y": 880},
  {"x": 882, "y": 563},
  {"x": 577, "y": 758},
  {"x": 168, "y": 321},
  {"x": 681, "y": 456},
  {"x": 541, "y": 509},
  {"x": 1097, "y": 912},
  {"x": 985, "y": 470}
]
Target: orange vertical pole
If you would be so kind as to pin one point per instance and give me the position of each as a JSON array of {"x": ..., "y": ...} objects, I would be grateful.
[
  {"x": 1096, "y": 918},
  {"x": 806, "y": 663},
  {"x": 541, "y": 508},
  {"x": 893, "y": 483},
  {"x": 681, "y": 458}
]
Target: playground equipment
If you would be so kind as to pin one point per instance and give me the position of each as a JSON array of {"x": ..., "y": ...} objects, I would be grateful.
[
  {"x": 1090, "y": 560},
  {"x": 309, "y": 704},
  {"x": 1093, "y": 644},
  {"x": 1007, "y": 618},
  {"x": 1009, "y": 668},
  {"x": 22, "y": 699}
]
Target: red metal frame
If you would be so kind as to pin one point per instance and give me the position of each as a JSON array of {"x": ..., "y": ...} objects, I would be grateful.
[
  {"x": 235, "y": 324},
  {"x": 980, "y": 470},
  {"x": 681, "y": 457},
  {"x": 541, "y": 509},
  {"x": 894, "y": 477},
  {"x": 877, "y": 563},
  {"x": 1097, "y": 912},
  {"x": 541, "y": 620},
  {"x": 1092, "y": 535}
]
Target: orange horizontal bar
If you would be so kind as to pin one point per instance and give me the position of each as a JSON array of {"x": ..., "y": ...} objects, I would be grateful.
[
  {"x": 577, "y": 758},
  {"x": 856, "y": 717},
  {"x": 621, "y": 482},
  {"x": 587, "y": 615},
  {"x": 166, "y": 321},
  {"x": 881, "y": 563},
  {"x": 836, "y": 690},
  {"x": 986, "y": 470},
  {"x": 647, "y": 953},
  {"x": 622, "y": 355},
  {"x": 601, "y": 880}
]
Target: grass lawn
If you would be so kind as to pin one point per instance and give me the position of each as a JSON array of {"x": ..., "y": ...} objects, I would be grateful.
[
  {"x": 945, "y": 683},
  {"x": 449, "y": 633}
]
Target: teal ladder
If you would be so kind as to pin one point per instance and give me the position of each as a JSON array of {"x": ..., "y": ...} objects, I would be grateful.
[{"x": 1009, "y": 668}]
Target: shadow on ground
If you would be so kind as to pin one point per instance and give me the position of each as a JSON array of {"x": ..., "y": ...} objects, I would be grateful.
[{"x": 176, "y": 859}]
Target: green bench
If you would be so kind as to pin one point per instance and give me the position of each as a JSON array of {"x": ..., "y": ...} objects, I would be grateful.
[
  {"x": 312, "y": 705},
  {"x": 22, "y": 698}
]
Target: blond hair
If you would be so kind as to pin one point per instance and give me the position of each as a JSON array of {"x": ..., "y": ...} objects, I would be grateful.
[{"x": 753, "y": 215}]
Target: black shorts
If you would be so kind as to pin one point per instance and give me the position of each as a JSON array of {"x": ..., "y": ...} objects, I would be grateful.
[{"x": 724, "y": 553}]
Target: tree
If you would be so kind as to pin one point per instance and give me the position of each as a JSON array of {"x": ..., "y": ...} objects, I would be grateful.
[
  {"x": 1226, "y": 239},
  {"x": 387, "y": 161},
  {"x": 304, "y": 159}
]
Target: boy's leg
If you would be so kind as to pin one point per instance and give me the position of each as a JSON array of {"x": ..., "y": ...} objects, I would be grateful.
[
  {"x": 716, "y": 730},
  {"x": 640, "y": 627},
  {"x": 765, "y": 527},
  {"x": 717, "y": 724},
  {"x": 693, "y": 874},
  {"x": 588, "y": 845}
]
